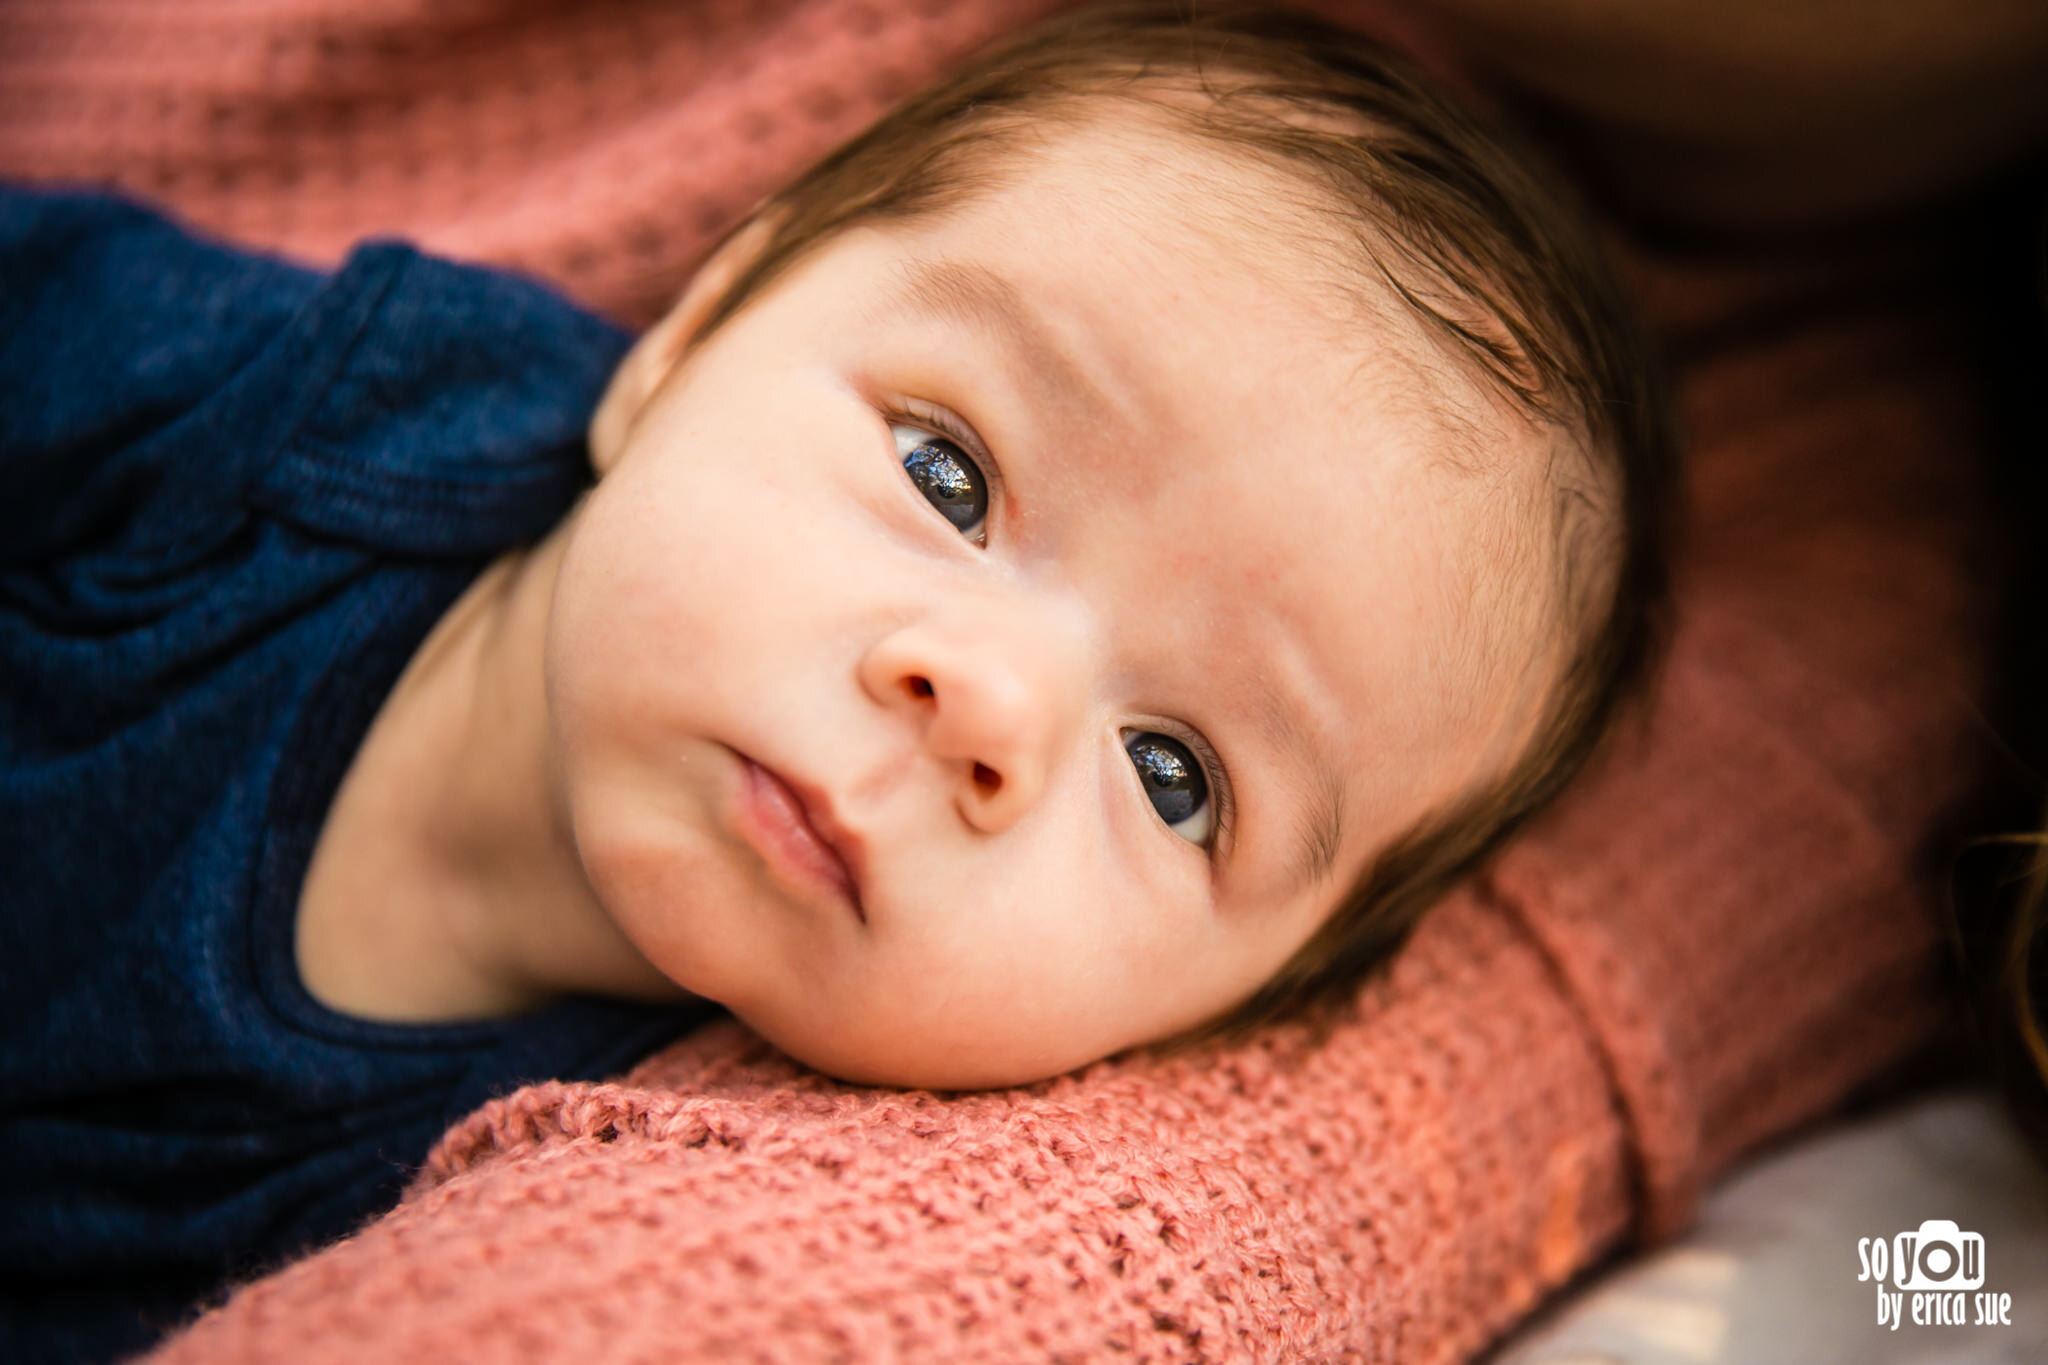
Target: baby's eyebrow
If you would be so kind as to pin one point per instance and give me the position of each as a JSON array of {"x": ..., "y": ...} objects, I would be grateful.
[{"x": 972, "y": 294}]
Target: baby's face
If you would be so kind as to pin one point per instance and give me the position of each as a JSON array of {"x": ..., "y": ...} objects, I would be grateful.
[{"x": 1006, "y": 638}]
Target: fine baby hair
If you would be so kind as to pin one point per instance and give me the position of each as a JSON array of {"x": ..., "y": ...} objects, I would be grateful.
[{"x": 1414, "y": 201}]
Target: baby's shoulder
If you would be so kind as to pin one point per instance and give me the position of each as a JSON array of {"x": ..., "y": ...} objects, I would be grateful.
[
  {"x": 158, "y": 388},
  {"x": 119, "y": 332}
]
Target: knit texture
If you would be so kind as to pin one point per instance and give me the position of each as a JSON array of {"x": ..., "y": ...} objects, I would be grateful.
[{"x": 1723, "y": 930}]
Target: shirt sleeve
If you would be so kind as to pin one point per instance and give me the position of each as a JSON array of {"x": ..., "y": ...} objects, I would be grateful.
[{"x": 116, "y": 326}]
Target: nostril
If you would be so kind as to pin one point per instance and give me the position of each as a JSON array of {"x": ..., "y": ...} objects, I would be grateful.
[
  {"x": 918, "y": 687},
  {"x": 988, "y": 779}
]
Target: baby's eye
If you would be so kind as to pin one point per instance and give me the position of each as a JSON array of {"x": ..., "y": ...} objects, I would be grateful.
[
  {"x": 947, "y": 476},
  {"x": 1172, "y": 778}
]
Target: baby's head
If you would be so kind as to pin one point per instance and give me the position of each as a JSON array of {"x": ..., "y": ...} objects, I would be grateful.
[{"x": 1093, "y": 560}]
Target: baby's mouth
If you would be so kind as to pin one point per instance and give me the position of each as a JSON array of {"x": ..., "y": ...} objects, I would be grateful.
[{"x": 792, "y": 827}]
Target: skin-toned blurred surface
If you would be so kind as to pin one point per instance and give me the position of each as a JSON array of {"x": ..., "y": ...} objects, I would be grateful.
[{"x": 1758, "y": 115}]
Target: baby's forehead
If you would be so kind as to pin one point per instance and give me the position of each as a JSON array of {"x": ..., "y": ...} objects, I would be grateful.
[
  {"x": 1219, "y": 206},
  {"x": 1162, "y": 201},
  {"x": 1118, "y": 230},
  {"x": 1144, "y": 165}
]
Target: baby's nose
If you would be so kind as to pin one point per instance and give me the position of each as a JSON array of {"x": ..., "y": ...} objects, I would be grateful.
[{"x": 995, "y": 700}]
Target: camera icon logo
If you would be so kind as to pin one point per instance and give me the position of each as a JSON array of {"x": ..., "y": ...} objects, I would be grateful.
[{"x": 1939, "y": 1256}]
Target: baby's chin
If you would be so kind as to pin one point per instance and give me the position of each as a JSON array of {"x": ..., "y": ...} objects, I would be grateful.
[{"x": 922, "y": 1063}]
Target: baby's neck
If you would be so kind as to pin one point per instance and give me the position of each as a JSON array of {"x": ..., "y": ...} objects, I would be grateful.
[{"x": 445, "y": 883}]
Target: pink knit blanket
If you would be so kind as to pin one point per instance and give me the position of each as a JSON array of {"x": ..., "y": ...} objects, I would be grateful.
[{"x": 1720, "y": 933}]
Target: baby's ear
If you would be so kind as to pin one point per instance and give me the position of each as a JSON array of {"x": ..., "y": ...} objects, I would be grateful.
[{"x": 662, "y": 346}]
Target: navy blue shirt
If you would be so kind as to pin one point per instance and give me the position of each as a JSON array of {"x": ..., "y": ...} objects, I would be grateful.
[{"x": 234, "y": 497}]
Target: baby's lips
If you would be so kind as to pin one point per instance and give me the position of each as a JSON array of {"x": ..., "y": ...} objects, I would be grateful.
[{"x": 798, "y": 819}]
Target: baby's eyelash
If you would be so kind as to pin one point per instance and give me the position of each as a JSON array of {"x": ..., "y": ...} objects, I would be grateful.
[{"x": 941, "y": 422}]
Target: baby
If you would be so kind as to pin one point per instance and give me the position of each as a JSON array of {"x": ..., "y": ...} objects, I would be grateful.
[
  {"x": 1084, "y": 567},
  {"x": 1063, "y": 574}
]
